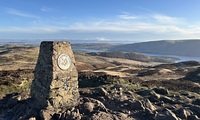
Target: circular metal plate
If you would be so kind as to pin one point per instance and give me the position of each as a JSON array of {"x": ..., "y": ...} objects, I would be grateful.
[{"x": 64, "y": 61}]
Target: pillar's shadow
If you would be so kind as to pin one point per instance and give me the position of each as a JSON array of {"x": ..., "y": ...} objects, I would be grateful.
[{"x": 13, "y": 109}]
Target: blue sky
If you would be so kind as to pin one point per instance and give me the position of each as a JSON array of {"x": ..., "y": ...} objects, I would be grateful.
[{"x": 103, "y": 20}]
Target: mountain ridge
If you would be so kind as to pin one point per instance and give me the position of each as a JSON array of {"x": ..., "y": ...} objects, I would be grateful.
[{"x": 163, "y": 47}]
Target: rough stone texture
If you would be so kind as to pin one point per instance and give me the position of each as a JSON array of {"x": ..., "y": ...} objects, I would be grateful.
[
  {"x": 52, "y": 87},
  {"x": 103, "y": 92},
  {"x": 102, "y": 116},
  {"x": 184, "y": 113},
  {"x": 148, "y": 104},
  {"x": 166, "y": 115},
  {"x": 161, "y": 91},
  {"x": 137, "y": 105}
]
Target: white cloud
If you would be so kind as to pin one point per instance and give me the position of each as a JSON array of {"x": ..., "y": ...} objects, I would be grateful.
[
  {"x": 128, "y": 17},
  {"x": 114, "y": 26},
  {"x": 124, "y": 27},
  {"x": 162, "y": 24},
  {"x": 47, "y": 9},
  {"x": 32, "y": 30},
  {"x": 19, "y": 13},
  {"x": 167, "y": 19},
  {"x": 155, "y": 25},
  {"x": 102, "y": 39}
]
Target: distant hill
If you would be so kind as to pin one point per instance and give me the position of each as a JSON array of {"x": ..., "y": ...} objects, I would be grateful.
[
  {"x": 133, "y": 56},
  {"x": 91, "y": 47},
  {"x": 164, "y": 47}
]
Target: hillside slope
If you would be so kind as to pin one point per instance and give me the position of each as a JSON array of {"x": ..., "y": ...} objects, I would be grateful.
[
  {"x": 110, "y": 88},
  {"x": 134, "y": 56},
  {"x": 164, "y": 47}
]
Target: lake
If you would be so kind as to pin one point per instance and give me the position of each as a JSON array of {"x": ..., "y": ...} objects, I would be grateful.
[{"x": 181, "y": 58}]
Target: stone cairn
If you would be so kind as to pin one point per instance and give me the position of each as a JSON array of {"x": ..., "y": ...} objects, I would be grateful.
[{"x": 55, "y": 86}]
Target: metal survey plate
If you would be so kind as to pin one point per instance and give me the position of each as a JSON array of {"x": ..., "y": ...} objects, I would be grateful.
[{"x": 64, "y": 61}]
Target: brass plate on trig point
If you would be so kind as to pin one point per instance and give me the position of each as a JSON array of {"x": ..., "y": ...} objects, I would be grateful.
[{"x": 64, "y": 61}]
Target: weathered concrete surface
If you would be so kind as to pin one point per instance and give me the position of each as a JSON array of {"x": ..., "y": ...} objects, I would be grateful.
[{"x": 53, "y": 87}]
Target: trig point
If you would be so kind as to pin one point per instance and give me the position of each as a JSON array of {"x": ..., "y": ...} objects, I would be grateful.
[{"x": 55, "y": 85}]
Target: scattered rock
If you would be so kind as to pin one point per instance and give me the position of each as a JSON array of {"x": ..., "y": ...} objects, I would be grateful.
[
  {"x": 103, "y": 92},
  {"x": 94, "y": 104},
  {"x": 193, "y": 117},
  {"x": 166, "y": 99},
  {"x": 122, "y": 116},
  {"x": 161, "y": 91},
  {"x": 102, "y": 116},
  {"x": 71, "y": 115},
  {"x": 195, "y": 109},
  {"x": 166, "y": 115},
  {"x": 137, "y": 105},
  {"x": 196, "y": 102},
  {"x": 32, "y": 118},
  {"x": 148, "y": 105},
  {"x": 184, "y": 113},
  {"x": 149, "y": 112},
  {"x": 46, "y": 114},
  {"x": 144, "y": 92},
  {"x": 141, "y": 105},
  {"x": 154, "y": 97},
  {"x": 89, "y": 106}
]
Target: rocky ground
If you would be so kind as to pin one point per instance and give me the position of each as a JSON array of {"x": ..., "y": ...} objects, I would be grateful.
[{"x": 110, "y": 89}]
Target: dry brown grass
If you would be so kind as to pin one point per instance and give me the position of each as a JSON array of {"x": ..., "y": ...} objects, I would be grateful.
[
  {"x": 175, "y": 85},
  {"x": 19, "y": 58}
]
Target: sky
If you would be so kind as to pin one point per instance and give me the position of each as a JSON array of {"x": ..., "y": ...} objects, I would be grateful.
[{"x": 100, "y": 20}]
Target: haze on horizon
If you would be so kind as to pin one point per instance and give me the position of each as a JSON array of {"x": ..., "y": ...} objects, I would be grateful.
[{"x": 113, "y": 20}]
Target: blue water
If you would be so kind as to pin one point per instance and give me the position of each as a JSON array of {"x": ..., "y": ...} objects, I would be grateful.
[{"x": 180, "y": 58}]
